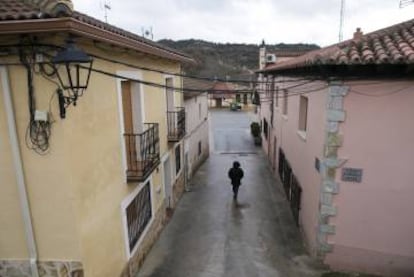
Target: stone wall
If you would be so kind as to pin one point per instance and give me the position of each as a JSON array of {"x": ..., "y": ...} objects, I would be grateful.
[
  {"x": 199, "y": 162},
  {"x": 330, "y": 163},
  {"x": 15, "y": 268},
  {"x": 135, "y": 262},
  {"x": 178, "y": 189}
]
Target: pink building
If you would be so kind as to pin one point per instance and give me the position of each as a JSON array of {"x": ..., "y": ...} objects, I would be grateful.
[{"x": 338, "y": 130}]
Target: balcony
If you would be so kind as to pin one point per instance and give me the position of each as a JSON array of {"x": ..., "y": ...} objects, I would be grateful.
[
  {"x": 176, "y": 124},
  {"x": 143, "y": 153}
]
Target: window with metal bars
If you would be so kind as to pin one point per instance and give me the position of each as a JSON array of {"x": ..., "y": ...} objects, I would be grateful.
[{"x": 138, "y": 214}]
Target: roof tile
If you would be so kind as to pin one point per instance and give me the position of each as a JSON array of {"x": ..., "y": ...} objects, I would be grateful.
[
  {"x": 392, "y": 45},
  {"x": 12, "y": 10}
]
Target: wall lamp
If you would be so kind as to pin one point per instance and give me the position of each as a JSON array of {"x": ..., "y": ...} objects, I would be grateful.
[{"x": 73, "y": 69}]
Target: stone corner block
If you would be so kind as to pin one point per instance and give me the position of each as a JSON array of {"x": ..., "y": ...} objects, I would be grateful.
[
  {"x": 328, "y": 210},
  {"x": 331, "y": 162},
  {"x": 325, "y": 247},
  {"x": 331, "y": 151},
  {"x": 326, "y": 199},
  {"x": 327, "y": 229},
  {"x": 337, "y": 89},
  {"x": 332, "y": 126},
  {"x": 335, "y": 115},
  {"x": 330, "y": 187},
  {"x": 334, "y": 139}
]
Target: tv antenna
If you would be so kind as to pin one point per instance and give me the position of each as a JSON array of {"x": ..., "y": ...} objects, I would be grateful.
[
  {"x": 405, "y": 3},
  {"x": 106, "y": 6},
  {"x": 341, "y": 21},
  {"x": 147, "y": 33}
]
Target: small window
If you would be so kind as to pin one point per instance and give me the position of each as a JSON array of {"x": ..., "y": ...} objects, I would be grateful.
[
  {"x": 199, "y": 148},
  {"x": 238, "y": 98},
  {"x": 303, "y": 113},
  {"x": 138, "y": 215},
  {"x": 177, "y": 159},
  {"x": 285, "y": 102}
]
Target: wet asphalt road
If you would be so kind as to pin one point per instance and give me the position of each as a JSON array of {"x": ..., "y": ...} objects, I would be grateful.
[
  {"x": 230, "y": 132},
  {"x": 210, "y": 235}
]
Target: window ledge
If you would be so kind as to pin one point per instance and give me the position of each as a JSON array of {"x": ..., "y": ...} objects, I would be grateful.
[
  {"x": 302, "y": 134},
  {"x": 284, "y": 117}
]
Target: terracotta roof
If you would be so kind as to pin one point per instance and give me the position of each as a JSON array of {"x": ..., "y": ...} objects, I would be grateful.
[
  {"x": 199, "y": 84},
  {"x": 223, "y": 87},
  {"x": 20, "y": 11},
  {"x": 289, "y": 53},
  {"x": 392, "y": 45},
  {"x": 195, "y": 84}
]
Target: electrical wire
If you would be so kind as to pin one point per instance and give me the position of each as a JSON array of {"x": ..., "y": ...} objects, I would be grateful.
[
  {"x": 212, "y": 79},
  {"x": 189, "y": 76},
  {"x": 382, "y": 94},
  {"x": 158, "y": 85},
  {"x": 37, "y": 132},
  {"x": 295, "y": 94}
]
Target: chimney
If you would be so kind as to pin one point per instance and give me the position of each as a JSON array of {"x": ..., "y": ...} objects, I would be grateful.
[
  {"x": 53, "y": 7},
  {"x": 262, "y": 55},
  {"x": 358, "y": 34}
]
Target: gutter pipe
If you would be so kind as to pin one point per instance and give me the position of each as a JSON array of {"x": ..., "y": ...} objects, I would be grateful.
[{"x": 18, "y": 165}]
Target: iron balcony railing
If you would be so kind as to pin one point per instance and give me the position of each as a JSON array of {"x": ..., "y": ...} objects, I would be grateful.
[
  {"x": 143, "y": 152},
  {"x": 176, "y": 124}
]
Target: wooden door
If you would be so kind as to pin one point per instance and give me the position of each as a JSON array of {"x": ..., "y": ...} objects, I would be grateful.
[
  {"x": 128, "y": 123},
  {"x": 170, "y": 94}
]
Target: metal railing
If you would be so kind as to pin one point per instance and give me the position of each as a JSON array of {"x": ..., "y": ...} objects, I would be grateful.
[
  {"x": 176, "y": 124},
  {"x": 138, "y": 215},
  {"x": 291, "y": 185},
  {"x": 143, "y": 152}
]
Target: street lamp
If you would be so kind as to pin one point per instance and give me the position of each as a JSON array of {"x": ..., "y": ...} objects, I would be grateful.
[{"x": 73, "y": 69}]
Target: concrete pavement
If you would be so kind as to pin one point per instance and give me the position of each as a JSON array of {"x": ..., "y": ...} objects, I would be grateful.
[{"x": 210, "y": 235}]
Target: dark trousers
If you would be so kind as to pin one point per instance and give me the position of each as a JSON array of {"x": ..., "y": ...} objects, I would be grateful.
[{"x": 235, "y": 191}]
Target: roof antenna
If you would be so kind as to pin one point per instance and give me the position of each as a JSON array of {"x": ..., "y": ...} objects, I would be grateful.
[
  {"x": 106, "y": 6},
  {"x": 405, "y": 3},
  {"x": 147, "y": 33},
  {"x": 341, "y": 20}
]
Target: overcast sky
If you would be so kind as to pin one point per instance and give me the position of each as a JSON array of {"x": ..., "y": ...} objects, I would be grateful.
[{"x": 249, "y": 21}]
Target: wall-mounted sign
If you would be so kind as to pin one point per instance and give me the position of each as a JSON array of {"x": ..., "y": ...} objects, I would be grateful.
[{"x": 352, "y": 175}]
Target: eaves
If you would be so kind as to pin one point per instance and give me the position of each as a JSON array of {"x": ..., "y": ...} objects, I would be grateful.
[{"x": 76, "y": 27}]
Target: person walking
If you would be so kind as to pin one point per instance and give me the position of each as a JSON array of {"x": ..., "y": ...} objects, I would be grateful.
[{"x": 236, "y": 174}]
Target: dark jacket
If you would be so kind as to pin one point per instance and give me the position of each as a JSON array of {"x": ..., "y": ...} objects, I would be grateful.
[{"x": 236, "y": 174}]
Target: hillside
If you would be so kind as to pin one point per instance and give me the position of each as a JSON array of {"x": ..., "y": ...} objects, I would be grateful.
[{"x": 230, "y": 59}]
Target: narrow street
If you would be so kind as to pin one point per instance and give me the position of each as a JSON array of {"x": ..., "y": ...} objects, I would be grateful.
[{"x": 212, "y": 236}]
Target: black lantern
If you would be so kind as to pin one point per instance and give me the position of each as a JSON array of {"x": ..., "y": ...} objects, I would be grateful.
[{"x": 73, "y": 68}]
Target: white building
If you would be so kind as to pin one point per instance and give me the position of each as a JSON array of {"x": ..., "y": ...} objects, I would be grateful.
[{"x": 196, "y": 141}]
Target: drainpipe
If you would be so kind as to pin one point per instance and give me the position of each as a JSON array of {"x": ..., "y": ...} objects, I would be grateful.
[{"x": 24, "y": 201}]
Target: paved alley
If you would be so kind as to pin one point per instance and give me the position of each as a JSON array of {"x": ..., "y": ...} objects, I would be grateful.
[{"x": 210, "y": 235}]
